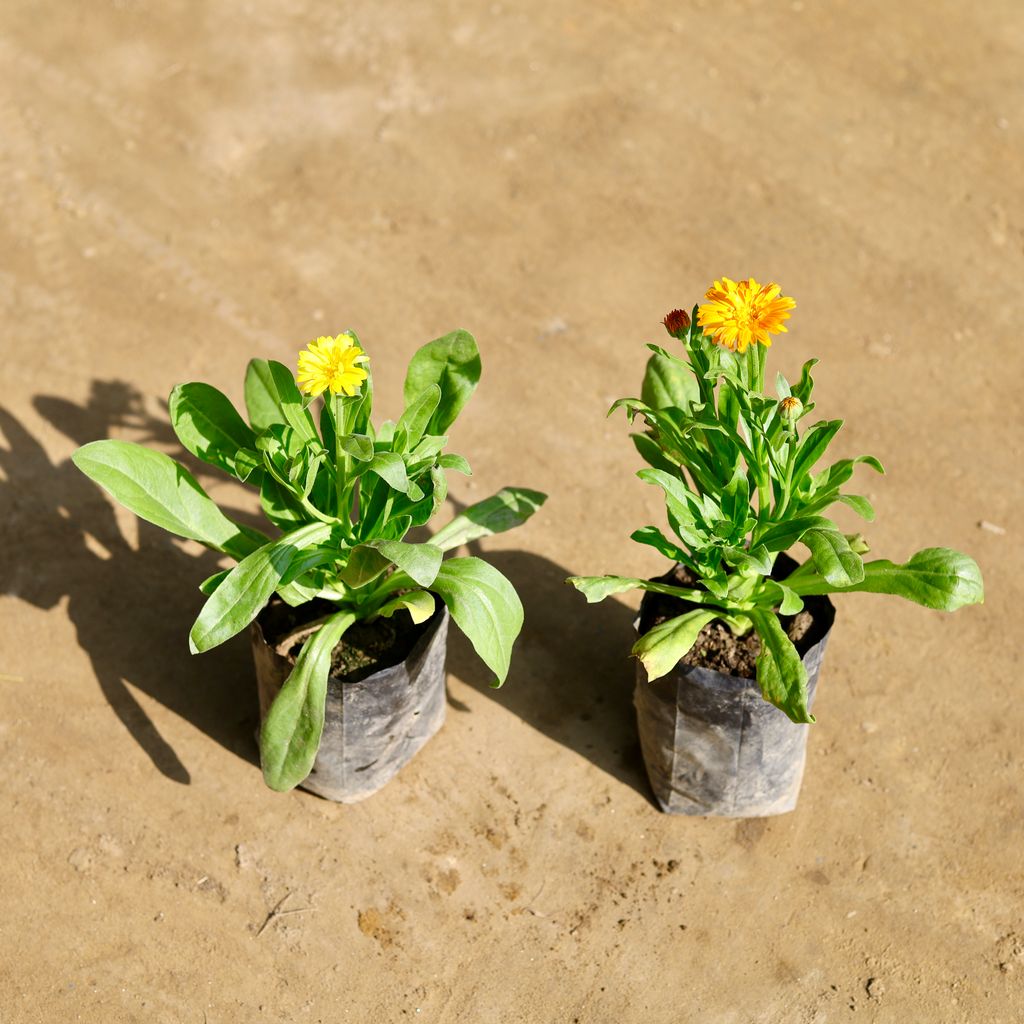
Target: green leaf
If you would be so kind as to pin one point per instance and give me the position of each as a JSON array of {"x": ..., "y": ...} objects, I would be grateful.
[
  {"x": 248, "y": 586},
  {"x": 484, "y": 606},
  {"x": 279, "y": 505},
  {"x": 364, "y": 402},
  {"x": 291, "y": 732},
  {"x": 661, "y": 647},
  {"x": 418, "y": 603},
  {"x": 359, "y": 446},
  {"x": 805, "y": 386},
  {"x": 456, "y": 463},
  {"x": 159, "y": 490},
  {"x": 417, "y": 415},
  {"x": 420, "y": 562},
  {"x": 653, "y": 537},
  {"x": 755, "y": 560},
  {"x": 651, "y": 452},
  {"x": 685, "y": 508},
  {"x": 673, "y": 485},
  {"x": 787, "y": 600},
  {"x": 439, "y": 490},
  {"x": 453, "y": 364},
  {"x": 780, "y": 669},
  {"x": 669, "y": 383},
  {"x": 597, "y": 588},
  {"x": 783, "y": 535},
  {"x": 833, "y": 557},
  {"x": 297, "y": 593},
  {"x": 429, "y": 446},
  {"x": 633, "y": 407},
  {"x": 395, "y": 528},
  {"x": 209, "y": 427},
  {"x": 860, "y": 505},
  {"x": 509, "y": 508},
  {"x": 211, "y": 583},
  {"x": 271, "y": 396},
  {"x": 839, "y": 472},
  {"x": 365, "y": 563},
  {"x": 391, "y": 469},
  {"x": 814, "y": 444},
  {"x": 937, "y": 578}
]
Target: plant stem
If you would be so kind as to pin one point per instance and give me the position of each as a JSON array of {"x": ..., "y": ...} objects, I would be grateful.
[
  {"x": 301, "y": 499},
  {"x": 342, "y": 463},
  {"x": 787, "y": 486}
]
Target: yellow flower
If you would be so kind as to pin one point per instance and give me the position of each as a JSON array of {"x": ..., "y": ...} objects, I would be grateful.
[
  {"x": 332, "y": 363},
  {"x": 741, "y": 314}
]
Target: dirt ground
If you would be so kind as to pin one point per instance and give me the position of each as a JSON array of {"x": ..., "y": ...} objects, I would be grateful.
[{"x": 187, "y": 185}]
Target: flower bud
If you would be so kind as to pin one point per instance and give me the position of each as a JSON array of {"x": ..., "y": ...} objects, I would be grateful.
[
  {"x": 790, "y": 409},
  {"x": 677, "y": 323}
]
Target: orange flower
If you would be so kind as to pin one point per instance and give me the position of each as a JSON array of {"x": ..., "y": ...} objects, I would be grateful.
[{"x": 740, "y": 314}]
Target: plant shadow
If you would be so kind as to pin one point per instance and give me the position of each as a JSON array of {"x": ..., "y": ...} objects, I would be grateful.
[
  {"x": 572, "y": 675},
  {"x": 131, "y": 607}
]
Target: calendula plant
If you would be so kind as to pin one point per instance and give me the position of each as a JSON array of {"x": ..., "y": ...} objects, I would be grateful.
[
  {"x": 738, "y": 470},
  {"x": 340, "y": 496}
]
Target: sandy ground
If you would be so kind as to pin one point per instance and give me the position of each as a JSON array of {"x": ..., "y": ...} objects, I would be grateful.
[{"x": 189, "y": 185}]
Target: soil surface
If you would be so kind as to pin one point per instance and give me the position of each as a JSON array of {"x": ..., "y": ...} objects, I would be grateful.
[
  {"x": 716, "y": 646},
  {"x": 189, "y": 185},
  {"x": 365, "y": 648}
]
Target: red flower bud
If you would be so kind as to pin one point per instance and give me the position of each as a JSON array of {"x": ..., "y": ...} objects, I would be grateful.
[{"x": 677, "y": 323}]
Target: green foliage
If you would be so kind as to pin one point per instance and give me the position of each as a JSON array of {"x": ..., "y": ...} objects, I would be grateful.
[
  {"x": 742, "y": 484},
  {"x": 341, "y": 497},
  {"x": 484, "y": 606},
  {"x": 290, "y": 735}
]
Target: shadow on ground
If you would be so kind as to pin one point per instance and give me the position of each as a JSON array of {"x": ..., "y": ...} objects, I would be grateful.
[
  {"x": 131, "y": 609},
  {"x": 572, "y": 675}
]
